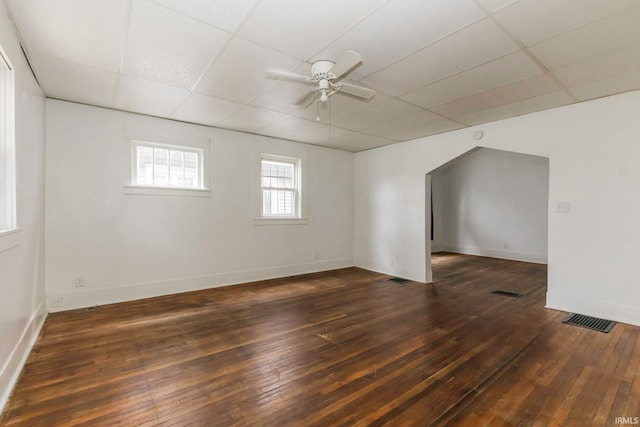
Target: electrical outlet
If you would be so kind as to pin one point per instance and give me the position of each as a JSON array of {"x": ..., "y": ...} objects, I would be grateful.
[
  {"x": 392, "y": 262},
  {"x": 506, "y": 246},
  {"x": 57, "y": 302},
  {"x": 78, "y": 282},
  {"x": 563, "y": 207},
  {"x": 315, "y": 257}
]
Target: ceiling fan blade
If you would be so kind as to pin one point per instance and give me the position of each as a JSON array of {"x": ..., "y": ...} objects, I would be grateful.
[
  {"x": 276, "y": 73},
  {"x": 355, "y": 90},
  {"x": 348, "y": 61},
  {"x": 308, "y": 99}
]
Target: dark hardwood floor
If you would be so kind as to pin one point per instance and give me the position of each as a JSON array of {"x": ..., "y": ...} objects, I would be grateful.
[{"x": 346, "y": 347}]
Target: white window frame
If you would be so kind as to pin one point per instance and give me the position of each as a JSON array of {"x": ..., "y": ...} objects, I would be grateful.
[
  {"x": 300, "y": 191},
  {"x": 186, "y": 143},
  {"x": 8, "y": 217}
]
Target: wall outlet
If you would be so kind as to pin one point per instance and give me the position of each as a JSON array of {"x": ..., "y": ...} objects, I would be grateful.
[
  {"x": 563, "y": 207},
  {"x": 57, "y": 302},
  {"x": 506, "y": 246},
  {"x": 315, "y": 257},
  {"x": 78, "y": 282},
  {"x": 392, "y": 262}
]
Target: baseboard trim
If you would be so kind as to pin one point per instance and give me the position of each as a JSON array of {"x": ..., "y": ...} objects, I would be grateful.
[
  {"x": 589, "y": 307},
  {"x": 100, "y": 296},
  {"x": 392, "y": 270},
  {"x": 493, "y": 253},
  {"x": 18, "y": 356}
]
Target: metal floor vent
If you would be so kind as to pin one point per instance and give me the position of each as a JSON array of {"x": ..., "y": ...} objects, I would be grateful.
[
  {"x": 600, "y": 325},
  {"x": 507, "y": 294},
  {"x": 398, "y": 280}
]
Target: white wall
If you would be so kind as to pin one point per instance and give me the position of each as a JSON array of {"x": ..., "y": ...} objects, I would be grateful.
[
  {"x": 21, "y": 261},
  {"x": 594, "y": 152},
  {"x": 128, "y": 246},
  {"x": 492, "y": 203}
]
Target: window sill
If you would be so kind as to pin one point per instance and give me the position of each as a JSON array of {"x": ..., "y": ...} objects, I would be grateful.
[
  {"x": 280, "y": 221},
  {"x": 9, "y": 239},
  {"x": 164, "y": 191}
]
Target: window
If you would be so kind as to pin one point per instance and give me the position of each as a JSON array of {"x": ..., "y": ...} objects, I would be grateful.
[
  {"x": 163, "y": 165},
  {"x": 280, "y": 187},
  {"x": 7, "y": 145}
]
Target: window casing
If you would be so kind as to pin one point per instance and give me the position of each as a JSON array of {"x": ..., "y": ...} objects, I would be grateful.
[
  {"x": 166, "y": 165},
  {"x": 280, "y": 187},
  {"x": 7, "y": 146}
]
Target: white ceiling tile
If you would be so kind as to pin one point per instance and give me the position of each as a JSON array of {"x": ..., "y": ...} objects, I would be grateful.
[
  {"x": 619, "y": 84},
  {"x": 224, "y": 14},
  {"x": 88, "y": 33},
  {"x": 348, "y": 140},
  {"x": 383, "y": 112},
  {"x": 507, "y": 94},
  {"x": 472, "y": 46},
  {"x": 239, "y": 72},
  {"x": 250, "y": 119},
  {"x": 205, "y": 109},
  {"x": 272, "y": 100},
  {"x": 341, "y": 105},
  {"x": 147, "y": 97},
  {"x": 532, "y": 21},
  {"x": 530, "y": 105},
  {"x": 290, "y": 127},
  {"x": 381, "y": 40},
  {"x": 169, "y": 48},
  {"x": 508, "y": 69},
  {"x": 414, "y": 126},
  {"x": 301, "y": 28},
  {"x": 596, "y": 39},
  {"x": 73, "y": 82},
  {"x": 603, "y": 67},
  {"x": 494, "y": 5}
]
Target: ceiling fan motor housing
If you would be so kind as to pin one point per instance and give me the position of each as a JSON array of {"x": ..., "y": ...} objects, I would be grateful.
[{"x": 320, "y": 71}]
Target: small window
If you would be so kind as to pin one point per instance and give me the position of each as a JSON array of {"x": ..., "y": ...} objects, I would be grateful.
[
  {"x": 280, "y": 185},
  {"x": 166, "y": 166},
  {"x": 7, "y": 146}
]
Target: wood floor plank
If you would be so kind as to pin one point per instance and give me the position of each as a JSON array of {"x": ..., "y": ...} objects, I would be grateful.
[{"x": 345, "y": 347}]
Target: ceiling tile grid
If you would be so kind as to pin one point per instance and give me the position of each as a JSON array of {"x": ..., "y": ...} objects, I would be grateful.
[{"x": 435, "y": 65}]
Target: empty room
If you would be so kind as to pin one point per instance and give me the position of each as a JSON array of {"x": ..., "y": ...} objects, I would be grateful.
[{"x": 319, "y": 213}]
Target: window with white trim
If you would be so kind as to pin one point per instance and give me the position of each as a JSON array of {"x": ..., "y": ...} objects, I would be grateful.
[
  {"x": 7, "y": 145},
  {"x": 280, "y": 187},
  {"x": 166, "y": 165}
]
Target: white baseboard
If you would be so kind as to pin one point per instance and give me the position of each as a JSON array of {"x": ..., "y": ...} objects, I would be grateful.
[
  {"x": 18, "y": 356},
  {"x": 493, "y": 253},
  {"x": 392, "y": 270},
  {"x": 595, "y": 308},
  {"x": 99, "y": 296}
]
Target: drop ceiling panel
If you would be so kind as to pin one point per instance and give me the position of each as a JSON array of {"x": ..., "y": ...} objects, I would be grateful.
[
  {"x": 348, "y": 140},
  {"x": 480, "y": 42},
  {"x": 290, "y": 128},
  {"x": 72, "y": 82},
  {"x": 608, "y": 35},
  {"x": 87, "y": 33},
  {"x": 301, "y": 28},
  {"x": 142, "y": 96},
  {"x": 384, "y": 112},
  {"x": 239, "y": 73},
  {"x": 530, "y": 105},
  {"x": 250, "y": 119},
  {"x": 167, "y": 47},
  {"x": 224, "y": 14},
  {"x": 532, "y": 21},
  {"x": 205, "y": 109},
  {"x": 381, "y": 40},
  {"x": 503, "y": 95},
  {"x": 603, "y": 67},
  {"x": 414, "y": 126},
  {"x": 508, "y": 69},
  {"x": 494, "y": 5},
  {"x": 600, "y": 88}
]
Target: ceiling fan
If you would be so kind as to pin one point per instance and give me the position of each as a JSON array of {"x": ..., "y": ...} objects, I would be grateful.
[{"x": 326, "y": 76}]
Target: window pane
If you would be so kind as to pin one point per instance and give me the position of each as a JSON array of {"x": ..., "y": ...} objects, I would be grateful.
[
  {"x": 176, "y": 173},
  {"x": 191, "y": 170},
  {"x": 161, "y": 166},
  {"x": 144, "y": 165},
  {"x": 279, "y": 188}
]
